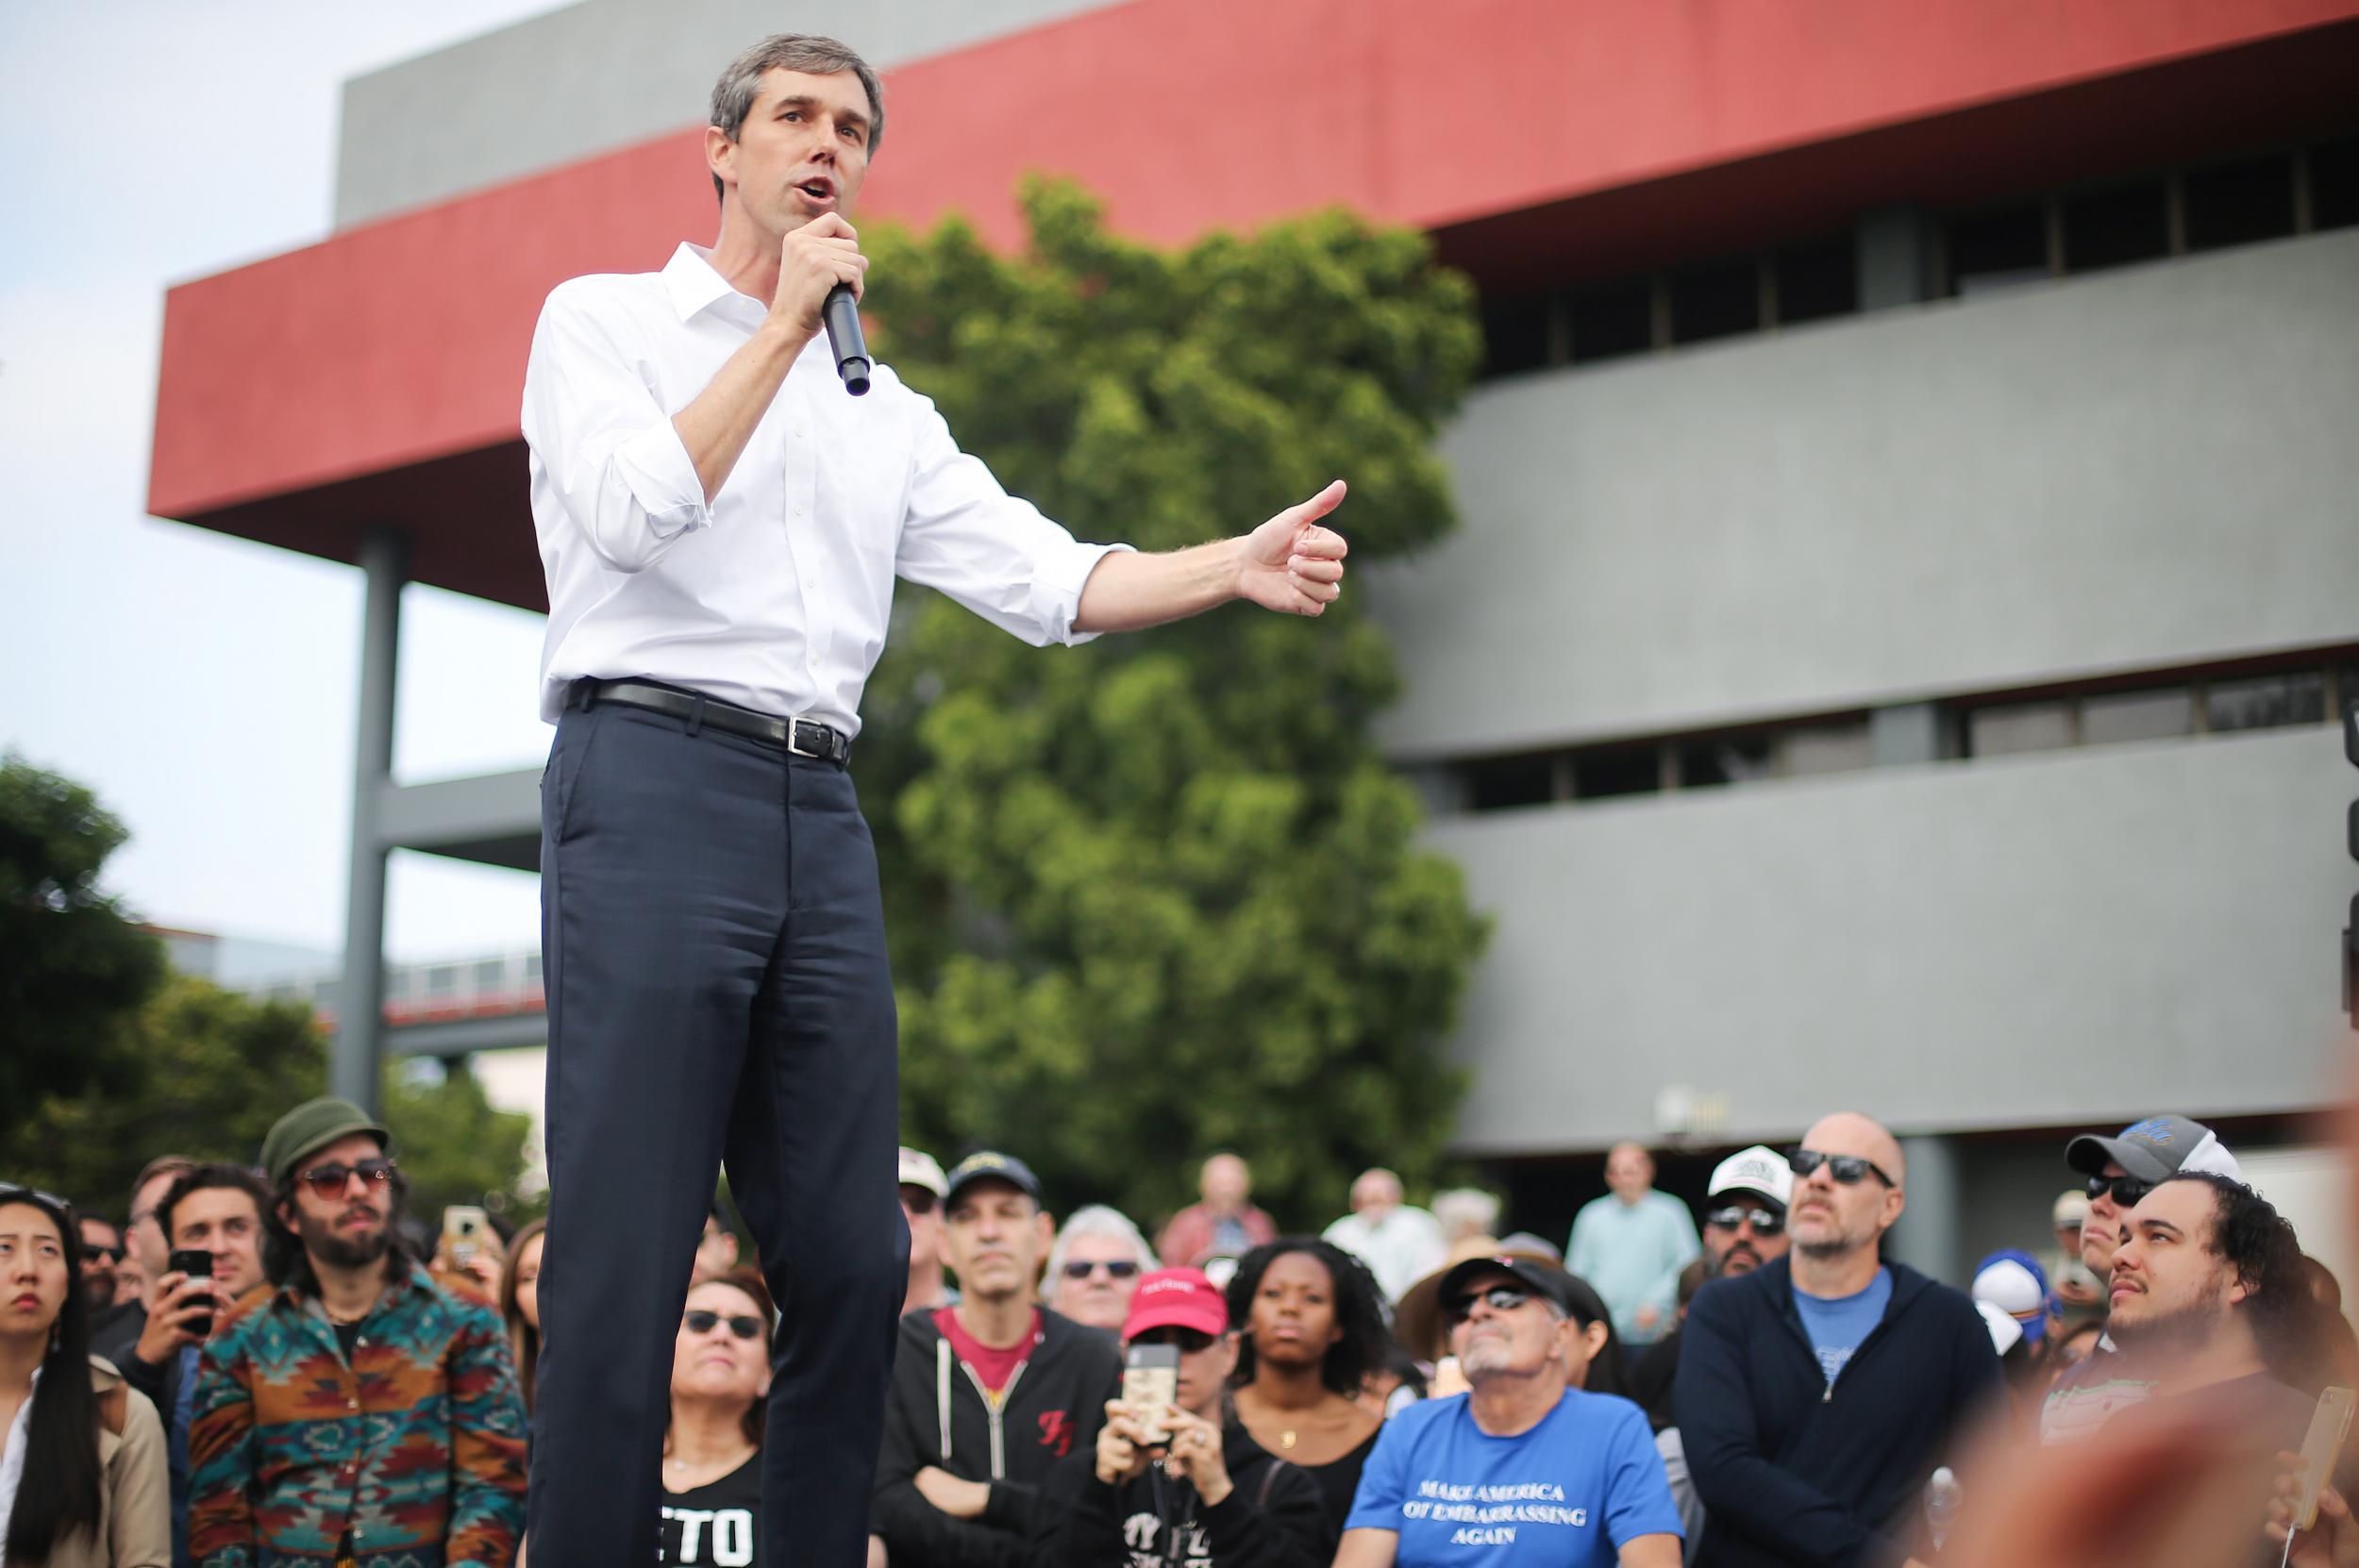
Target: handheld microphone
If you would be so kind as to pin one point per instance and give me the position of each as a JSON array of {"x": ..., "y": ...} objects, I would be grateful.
[{"x": 841, "y": 312}]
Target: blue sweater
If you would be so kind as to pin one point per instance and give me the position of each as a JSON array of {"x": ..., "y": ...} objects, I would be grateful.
[{"x": 1792, "y": 1471}]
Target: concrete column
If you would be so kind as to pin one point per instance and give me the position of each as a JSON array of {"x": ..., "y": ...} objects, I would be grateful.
[
  {"x": 1929, "y": 1237},
  {"x": 354, "y": 1060},
  {"x": 1896, "y": 259}
]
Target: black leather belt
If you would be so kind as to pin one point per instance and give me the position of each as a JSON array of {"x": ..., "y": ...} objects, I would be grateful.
[{"x": 802, "y": 737}]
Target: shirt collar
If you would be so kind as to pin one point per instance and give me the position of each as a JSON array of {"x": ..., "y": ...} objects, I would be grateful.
[{"x": 691, "y": 284}]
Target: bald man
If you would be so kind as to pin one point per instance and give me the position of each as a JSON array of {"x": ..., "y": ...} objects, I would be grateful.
[{"x": 1816, "y": 1393}]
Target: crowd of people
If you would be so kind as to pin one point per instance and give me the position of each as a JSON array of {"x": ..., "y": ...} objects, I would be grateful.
[{"x": 265, "y": 1365}]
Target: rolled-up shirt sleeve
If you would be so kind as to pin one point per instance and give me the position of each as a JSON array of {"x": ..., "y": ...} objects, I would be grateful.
[
  {"x": 993, "y": 552},
  {"x": 604, "y": 444}
]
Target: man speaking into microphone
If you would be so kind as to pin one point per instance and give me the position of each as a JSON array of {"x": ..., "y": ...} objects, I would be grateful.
[{"x": 721, "y": 525}]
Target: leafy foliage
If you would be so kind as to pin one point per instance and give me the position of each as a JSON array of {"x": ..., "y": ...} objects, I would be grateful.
[{"x": 1158, "y": 895}]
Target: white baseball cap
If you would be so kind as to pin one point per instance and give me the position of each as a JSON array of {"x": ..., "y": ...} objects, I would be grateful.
[
  {"x": 920, "y": 1169},
  {"x": 1759, "y": 1169},
  {"x": 2005, "y": 1333}
]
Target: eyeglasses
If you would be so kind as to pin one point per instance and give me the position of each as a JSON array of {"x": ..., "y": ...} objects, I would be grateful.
[
  {"x": 1190, "y": 1340},
  {"x": 743, "y": 1324},
  {"x": 1501, "y": 1298},
  {"x": 329, "y": 1181},
  {"x": 92, "y": 1252},
  {"x": 1120, "y": 1268},
  {"x": 1847, "y": 1169},
  {"x": 917, "y": 1200},
  {"x": 2126, "y": 1190},
  {"x": 1766, "y": 1222}
]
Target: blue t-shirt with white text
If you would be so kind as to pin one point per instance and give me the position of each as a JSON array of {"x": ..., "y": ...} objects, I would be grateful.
[
  {"x": 1836, "y": 1324},
  {"x": 1571, "y": 1491}
]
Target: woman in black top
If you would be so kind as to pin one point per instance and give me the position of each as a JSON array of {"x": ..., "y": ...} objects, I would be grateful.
[
  {"x": 1313, "y": 1329},
  {"x": 713, "y": 1451}
]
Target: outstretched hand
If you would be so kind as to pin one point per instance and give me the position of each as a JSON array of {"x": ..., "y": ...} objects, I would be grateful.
[{"x": 1292, "y": 564}]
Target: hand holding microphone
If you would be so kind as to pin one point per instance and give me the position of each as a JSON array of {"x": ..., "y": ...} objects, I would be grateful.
[{"x": 821, "y": 277}]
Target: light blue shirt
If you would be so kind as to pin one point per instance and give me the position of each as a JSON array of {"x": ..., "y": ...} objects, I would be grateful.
[
  {"x": 1836, "y": 1324},
  {"x": 1632, "y": 1253}
]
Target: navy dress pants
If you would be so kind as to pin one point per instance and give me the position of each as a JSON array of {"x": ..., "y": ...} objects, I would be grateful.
[{"x": 715, "y": 960}]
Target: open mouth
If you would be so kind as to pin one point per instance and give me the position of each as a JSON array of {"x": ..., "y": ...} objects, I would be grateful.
[{"x": 817, "y": 190}]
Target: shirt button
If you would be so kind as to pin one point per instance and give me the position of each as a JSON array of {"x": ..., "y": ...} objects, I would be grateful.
[
  {"x": 798, "y": 509},
  {"x": 355, "y": 1404}
]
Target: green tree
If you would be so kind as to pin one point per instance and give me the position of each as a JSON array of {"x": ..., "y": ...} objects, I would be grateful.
[
  {"x": 1159, "y": 895},
  {"x": 72, "y": 967},
  {"x": 452, "y": 1144}
]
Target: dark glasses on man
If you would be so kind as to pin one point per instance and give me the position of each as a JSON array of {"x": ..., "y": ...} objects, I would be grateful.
[
  {"x": 1190, "y": 1340},
  {"x": 92, "y": 1252},
  {"x": 1500, "y": 1298},
  {"x": 1766, "y": 1222},
  {"x": 743, "y": 1324},
  {"x": 329, "y": 1181},
  {"x": 917, "y": 1200},
  {"x": 1120, "y": 1268},
  {"x": 2127, "y": 1190},
  {"x": 1847, "y": 1169}
]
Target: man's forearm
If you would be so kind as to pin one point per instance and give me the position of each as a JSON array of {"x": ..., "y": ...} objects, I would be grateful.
[
  {"x": 1128, "y": 590},
  {"x": 716, "y": 426}
]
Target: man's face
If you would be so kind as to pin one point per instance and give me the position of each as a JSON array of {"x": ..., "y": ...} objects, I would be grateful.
[
  {"x": 1527, "y": 1339},
  {"x": 1742, "y": 1232},
  {"x": 716, "y": 1251},
  {"x": 1374, "y": 1196},
  {"x": 225, "y": 1221},
  {"x": 2168, "y": 1283},
  {"x": 101, "y": 1250},
  {"x": 1827, "y": 1217},
  {"x": 1097, "y": 1295},
  {"x": 146, "y": 1241},
  {"x": 346, "y": 1224},
  {"x": 1628, "y": 1172},
  {"x": 802, "y": 151},
  {"x": 1226, "y": 1182},
  {"x": 995, "y": 1236},
  {"x": 2101, "y": 1231},
  {"x": 923, "y": 1211}
]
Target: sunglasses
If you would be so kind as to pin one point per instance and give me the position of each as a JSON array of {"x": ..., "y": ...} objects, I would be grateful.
[
  {"x": 329, "y": 1181},
  {"x": 743, "y": 1324},
  {"x": 1190, "y": 1340},
  {"x": 92, "y": 1252},
  {"x": 1848, "y": 1170},
  {"x": 1501, "y": 1298},
  {"x": 1764, "y": 1221},
  {"x": 1121, "y": 1268},
  {"x": 917, "y": 1200},
  {"x": 2126, "y": 1190}
]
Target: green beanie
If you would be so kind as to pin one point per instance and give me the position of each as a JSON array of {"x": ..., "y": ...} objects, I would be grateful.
[{"x": 310, "y": 1128}]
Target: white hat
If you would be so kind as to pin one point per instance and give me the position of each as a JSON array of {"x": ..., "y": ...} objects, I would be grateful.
[
  {"x": 1755, "y": 1170},
  {"x": 920, "y": 1169},
  {"x": 2004, "y": 1331}
]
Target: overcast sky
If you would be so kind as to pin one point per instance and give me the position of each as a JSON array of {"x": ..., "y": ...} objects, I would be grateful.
[{"x": 202, "y": 685}]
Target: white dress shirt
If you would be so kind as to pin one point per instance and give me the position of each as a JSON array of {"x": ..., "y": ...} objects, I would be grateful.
[
  {"x": 776, "y": 594},
  {"x": 12, "y": 1456},
  {"x": 1401, "y": 1249}
]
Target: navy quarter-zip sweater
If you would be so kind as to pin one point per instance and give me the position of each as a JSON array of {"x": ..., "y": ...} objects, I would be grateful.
[{"x": 1793, "y": 1472}]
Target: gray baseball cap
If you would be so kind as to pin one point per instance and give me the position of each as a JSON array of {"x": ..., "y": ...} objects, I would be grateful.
[{"x": 2155, "y": 1149}]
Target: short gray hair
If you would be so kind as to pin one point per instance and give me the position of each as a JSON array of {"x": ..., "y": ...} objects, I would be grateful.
[
  {"x": 733, "y": 95},
  {"x": 1094, "y": 1219}
]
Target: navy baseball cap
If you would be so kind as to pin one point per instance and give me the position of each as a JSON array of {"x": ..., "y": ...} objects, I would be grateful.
[{"x": 990, "y": 1165}]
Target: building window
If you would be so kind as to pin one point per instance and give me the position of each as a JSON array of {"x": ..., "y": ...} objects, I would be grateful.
[
  {"x": 1515, "y": 334},
  {"x": 2153, "y": 715},
  {"x": 441, "y": 980},
  {"x": 2238, "y": 204},
  {"x": 1612, "y": 319},
  {"x": 2267, "y": 702},
  {"x": 1816, "y": 281},
  {"x": 1498, "y": 783},
  {"x": 2113, "y": 227},
  {"x": 1825, "y": 748},
  {"x": 1998, "y": 249},
  {"x": 1617, "y": 771},
  {"x": 2333, "y": 170},
  {"x": 2004, "y": 728},
  {"x": 1718, "y": 301},
  {"x": 1725, "y": 759}
]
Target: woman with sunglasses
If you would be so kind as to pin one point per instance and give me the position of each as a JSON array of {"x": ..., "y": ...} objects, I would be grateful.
[
  {"x": 82, "y": 1468},
  {"x": 1313, "y": 1329},
  {"x": 1094, "y": 1266},
  {"x": 520, "y": 1304},
  {"x": 1180, "y": 1482},
  {"x": 713, "y": 1449}
]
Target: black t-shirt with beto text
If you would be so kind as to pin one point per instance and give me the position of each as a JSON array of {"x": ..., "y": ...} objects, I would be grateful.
[{"x": 717, "y": 1524}]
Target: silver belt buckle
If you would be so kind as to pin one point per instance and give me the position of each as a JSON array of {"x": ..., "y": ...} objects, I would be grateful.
[{"x": 793, "y": 744}]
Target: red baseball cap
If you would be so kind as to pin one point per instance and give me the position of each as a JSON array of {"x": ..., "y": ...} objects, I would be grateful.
[{"x": 1176, "y": 1298}]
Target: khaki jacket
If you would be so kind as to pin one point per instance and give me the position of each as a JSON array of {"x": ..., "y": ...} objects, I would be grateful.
[{"x": 135, "y": 1483}]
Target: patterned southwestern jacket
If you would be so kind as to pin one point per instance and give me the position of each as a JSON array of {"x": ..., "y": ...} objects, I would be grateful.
[{"x": 412, "y": 1456}]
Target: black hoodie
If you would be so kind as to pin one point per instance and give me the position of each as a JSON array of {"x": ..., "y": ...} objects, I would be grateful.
[
  {"x": 1273, "y": 1516},
  {"x": 1793, "y": 1471},
  {"x": 935, "y": 1414}
]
